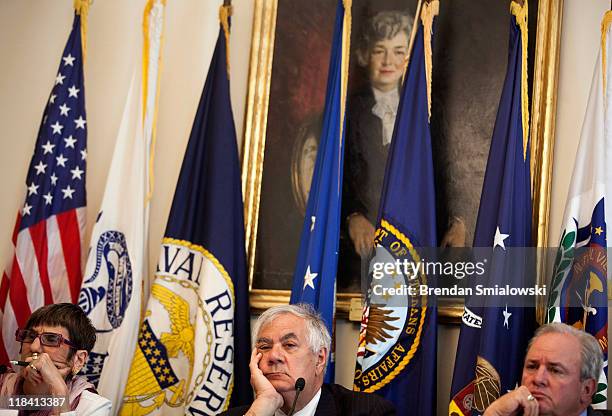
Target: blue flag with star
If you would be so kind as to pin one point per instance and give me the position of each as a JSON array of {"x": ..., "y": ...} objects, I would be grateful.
[
  {"x": 493, "y": 337},
  {"x": 314, "y": 280},
  {"x": 396, "y": 356}
]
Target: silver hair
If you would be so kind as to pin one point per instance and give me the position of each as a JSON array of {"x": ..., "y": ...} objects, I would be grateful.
[
  {"x": 317, "y": 333},
  {"x": 383, "y": 25},
  {"x": 590, "y": 351}
]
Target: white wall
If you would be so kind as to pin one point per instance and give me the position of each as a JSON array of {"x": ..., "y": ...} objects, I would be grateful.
[{"x": 33, "y": 34}]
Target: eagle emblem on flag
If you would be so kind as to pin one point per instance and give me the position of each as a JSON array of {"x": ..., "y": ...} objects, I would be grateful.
[
  {"x": 390, "y": 331},
  {"x": 154, "y": 374}
]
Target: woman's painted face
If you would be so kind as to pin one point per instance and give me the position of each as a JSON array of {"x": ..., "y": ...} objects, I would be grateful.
[{"x": 387, "y": 58}]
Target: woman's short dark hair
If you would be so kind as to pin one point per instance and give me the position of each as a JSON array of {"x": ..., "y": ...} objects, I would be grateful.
[{"x": 82, "y": 333}]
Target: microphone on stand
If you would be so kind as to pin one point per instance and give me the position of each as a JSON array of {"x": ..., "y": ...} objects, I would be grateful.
[{"x": 299, "y": 386}]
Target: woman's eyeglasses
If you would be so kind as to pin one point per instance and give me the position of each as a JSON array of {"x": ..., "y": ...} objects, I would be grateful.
[{"x": 49, "y": 339}]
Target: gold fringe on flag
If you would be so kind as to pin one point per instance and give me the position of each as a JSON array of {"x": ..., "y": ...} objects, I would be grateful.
[
  {"x": 225, "y": 12},
  {"x": 81, "y": 7},
  {"x": 146, "y": 24},
  {"x": 605, "y": 23},
  {"x": 430, "y": 10},
  {"x": 346, "y": 48},
  {"x": 520, "y": 12},
  {"x": 344, "y": 72}
]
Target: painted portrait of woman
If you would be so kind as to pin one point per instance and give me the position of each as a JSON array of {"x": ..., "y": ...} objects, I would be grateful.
[{"x": 468, "y": 68}]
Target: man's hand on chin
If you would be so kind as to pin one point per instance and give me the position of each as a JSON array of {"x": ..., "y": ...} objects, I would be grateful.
[
  {"x": 267, "y": 399},
  {"x": 519, "y": 401}
]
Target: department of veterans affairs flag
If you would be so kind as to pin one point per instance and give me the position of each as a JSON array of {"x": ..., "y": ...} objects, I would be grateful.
[
  {"x": 493, "y": 338},
  {"x": 194, "y": 342},
  {"x": 46, "y": 266},
  {"x": 396, "y": 357},
  {"x": 112, "y": 287},
  {"x": 578, "y": 295},
  {"x": 314, "y": 281}
]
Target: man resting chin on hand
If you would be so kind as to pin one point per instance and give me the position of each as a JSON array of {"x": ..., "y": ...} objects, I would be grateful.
[{"x": 559, "y": 376}]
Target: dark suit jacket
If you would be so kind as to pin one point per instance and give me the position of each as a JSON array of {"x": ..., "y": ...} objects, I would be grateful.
[
  {"x": 591, "y": 412},
  {"x": 337, "y": 401},
  {"x": 365, "y": 158}
]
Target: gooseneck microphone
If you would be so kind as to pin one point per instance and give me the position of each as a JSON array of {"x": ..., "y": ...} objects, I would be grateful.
[{"x": 299, "y": 386}]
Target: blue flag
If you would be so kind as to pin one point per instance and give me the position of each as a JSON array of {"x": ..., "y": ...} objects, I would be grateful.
[
  {"x": 494, "y": 337},
  {"x": 314, "y": 280},
  {"x": 194, "y": 343},
  {"x": 396, "y": 357}
]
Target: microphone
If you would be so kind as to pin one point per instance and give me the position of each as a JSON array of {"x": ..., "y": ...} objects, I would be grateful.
[{"x": 299, "y": 386}]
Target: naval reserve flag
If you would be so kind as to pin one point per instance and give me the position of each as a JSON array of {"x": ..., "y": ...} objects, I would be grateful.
[
  {"x": 493, "y": 338},
  {"x": 46, "y": 266},
  {"x": 578, "y": 294},
  {"x": 314, "y": 280},
  {"x": 194, "y": 341},
  {"x": 396, "y": 357},
  {"x": 113, "y": 279}
]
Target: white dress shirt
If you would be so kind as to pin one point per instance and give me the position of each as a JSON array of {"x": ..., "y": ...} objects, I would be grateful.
[{"x": 308, "y": 410}]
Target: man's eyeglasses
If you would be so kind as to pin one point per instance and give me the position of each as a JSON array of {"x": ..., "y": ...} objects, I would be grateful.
[{"x": 49, "y": 339}]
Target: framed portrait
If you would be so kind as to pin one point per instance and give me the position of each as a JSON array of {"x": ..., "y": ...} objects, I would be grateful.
[{"x": 287, "y": 80}]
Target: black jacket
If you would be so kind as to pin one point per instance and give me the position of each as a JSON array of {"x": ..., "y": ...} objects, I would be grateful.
[{"x": 338, "y": 401}]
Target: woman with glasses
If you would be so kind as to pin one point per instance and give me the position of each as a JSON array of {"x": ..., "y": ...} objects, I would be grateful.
[{"x": 55, "y": 343}]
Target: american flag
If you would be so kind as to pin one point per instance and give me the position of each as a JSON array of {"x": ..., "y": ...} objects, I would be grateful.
[{"x": 46, "y": 265}]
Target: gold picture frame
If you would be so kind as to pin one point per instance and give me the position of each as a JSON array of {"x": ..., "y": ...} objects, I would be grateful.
[{"x": 542, "y": 127}]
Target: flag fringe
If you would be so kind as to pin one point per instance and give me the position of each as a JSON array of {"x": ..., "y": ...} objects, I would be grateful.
[
  {"x": 346, "y": 47},
  {"x": 605, "y": 24},
  {"x": 520, "y": 12},
  {"x": 430, "y": 10},
  {"x": 224, "y": 14},
  {"x": 81, "y": 7},
  {"x": 146, "y": 24}
]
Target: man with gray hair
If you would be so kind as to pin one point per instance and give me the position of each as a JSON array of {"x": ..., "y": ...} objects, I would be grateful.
[
  {"x": 291, "y": 347},
  {"x": 560, "y": 375}
]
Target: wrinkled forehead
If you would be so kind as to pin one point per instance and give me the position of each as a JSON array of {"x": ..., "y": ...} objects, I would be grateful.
[
  {"x": 556, "y": 348},
  {"x": 283, "y": 326}
]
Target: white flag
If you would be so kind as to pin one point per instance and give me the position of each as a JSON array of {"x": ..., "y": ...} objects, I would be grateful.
[
  {"x": 111, "y": 292},
  {"x": 116, "y": 269},
  {"x": 578, "y": 291}
]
